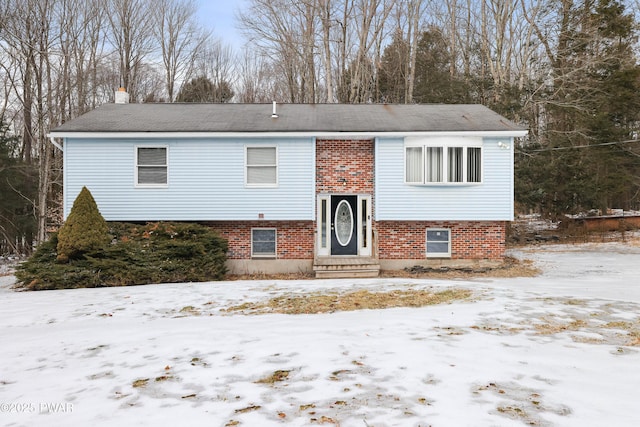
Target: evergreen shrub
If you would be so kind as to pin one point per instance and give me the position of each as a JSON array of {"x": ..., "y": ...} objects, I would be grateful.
[
  {"x": 137, "y": 254},
  {"x": 85, "y": 230}
]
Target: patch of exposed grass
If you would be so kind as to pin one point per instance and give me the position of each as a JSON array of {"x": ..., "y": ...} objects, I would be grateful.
[
  {"x": 619, "y": 324},
  {"x": 248, "y": 409},
  {"x": 632, "y": 328},
  {"x": 513, "y": 412},
  {"x": 588, "y": 340},
  {"x": 324, "y": 420},
  {"x": 497, "y": 329},
  {"x": 336, "y": 375},
  {"x": 264, "y": 276},
  {"x": 190, "y": 310},
  {"x": 350, "y": 301},
  {"x": 551, "y": 328},
  {"x": 140, "y": 383},
  {"x": 277, "y": 376},
  {"x": 634, "y": 338}
]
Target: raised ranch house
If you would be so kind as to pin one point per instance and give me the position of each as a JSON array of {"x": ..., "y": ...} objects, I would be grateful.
[{"x": 331, "y": 188}]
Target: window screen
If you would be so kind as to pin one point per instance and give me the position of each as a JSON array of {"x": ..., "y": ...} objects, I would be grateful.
[
  {"x": 262, "y": 166},
  {"x": 152, "y": 165},
  {"x": 438, "y": 242},
  {"x": 263, "y": 242}
]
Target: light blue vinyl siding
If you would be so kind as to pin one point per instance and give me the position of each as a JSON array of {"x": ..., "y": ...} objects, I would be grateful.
[
  {"x": 491, "y": 200},
  {"x": 206, "y": 180}
]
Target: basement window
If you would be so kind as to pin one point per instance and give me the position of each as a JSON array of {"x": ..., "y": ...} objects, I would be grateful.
[
  {"x": 263, "y": 242},
  {"x": 438, "y": 243}
]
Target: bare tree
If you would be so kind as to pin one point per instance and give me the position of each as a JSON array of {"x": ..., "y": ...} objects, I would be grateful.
[
  {"x": 507, "y": 42},
  {"x": 370, "y": 18},
  {"x": 326, "y": 12},
  {"x": 179, "y": 37},
  {"x": 274, "y": 27},
  {"x": 132, "y": 38},
  {"x": 29, "y": 37},
  {"x": 215, "y": 61},
  {"x": 409, "y": 14},
  {"x": 82, "y": 42},
  {"x": 257, "y": 81}
]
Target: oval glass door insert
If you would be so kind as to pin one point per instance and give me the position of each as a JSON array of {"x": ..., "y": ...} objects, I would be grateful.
[{"x": 344, "y": 223}]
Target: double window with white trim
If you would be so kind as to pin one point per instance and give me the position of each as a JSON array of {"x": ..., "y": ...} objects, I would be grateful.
[{"x": 443, "y": 160}]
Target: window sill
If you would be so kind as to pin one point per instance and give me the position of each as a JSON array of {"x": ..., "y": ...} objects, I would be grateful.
[
  {"x": 151, "y": 186},
  {"x": 443, "y": 184}
]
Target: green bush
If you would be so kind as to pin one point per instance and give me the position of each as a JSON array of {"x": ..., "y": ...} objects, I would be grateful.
[
  {"x": 84, "y": 231},
  {"x": 137, "y": 255}
]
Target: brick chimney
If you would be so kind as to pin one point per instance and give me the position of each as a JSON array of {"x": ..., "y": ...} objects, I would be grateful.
[{"x": 122, "y": 97}]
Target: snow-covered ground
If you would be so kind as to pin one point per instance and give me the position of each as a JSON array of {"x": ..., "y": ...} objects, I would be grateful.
[{"x": 553, "y": 350}]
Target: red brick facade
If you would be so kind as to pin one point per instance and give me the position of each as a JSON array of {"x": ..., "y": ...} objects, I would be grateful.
[
  {"x": 295, "y": 239},
  {"x": 347, "y": 167},
  {"x": 469, "y": 239},
  {"x": 344, "y": 166}
]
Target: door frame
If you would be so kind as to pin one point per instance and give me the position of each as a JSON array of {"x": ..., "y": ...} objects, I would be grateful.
[{"x": 363, "y": 224}]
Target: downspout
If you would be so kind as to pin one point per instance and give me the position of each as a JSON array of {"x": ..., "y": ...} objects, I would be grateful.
[
  {"x": 52, "y": 139},
  {"x": 55, "y": 144}
]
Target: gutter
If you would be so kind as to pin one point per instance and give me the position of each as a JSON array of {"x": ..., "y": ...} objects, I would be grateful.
[
  {"x": 55, "y": 144},
  {"x": 284, "y": 134}
]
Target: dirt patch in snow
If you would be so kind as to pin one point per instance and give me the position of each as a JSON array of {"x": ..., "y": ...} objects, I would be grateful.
[
  {"x": 315, "y": 303},
  {"x": 511, "y": 267}
]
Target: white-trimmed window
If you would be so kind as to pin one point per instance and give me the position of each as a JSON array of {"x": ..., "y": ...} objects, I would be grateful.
[
  {"x": 263, "y": 243},
  {"x": 438, "y": 243},
  {"x": 443, "y": 160},
  {"x": 152, "y": 164},
  {"x": 261, "y": 166}
]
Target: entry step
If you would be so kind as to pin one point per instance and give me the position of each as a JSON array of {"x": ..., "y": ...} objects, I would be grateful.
[{"x": 346, "y": 267}]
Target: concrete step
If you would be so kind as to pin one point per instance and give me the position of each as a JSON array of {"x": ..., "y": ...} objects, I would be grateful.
[{"x": 346, "y": 267}]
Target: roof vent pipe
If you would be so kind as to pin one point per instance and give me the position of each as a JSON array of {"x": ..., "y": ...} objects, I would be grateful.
[{"x": 274, "y": 115}]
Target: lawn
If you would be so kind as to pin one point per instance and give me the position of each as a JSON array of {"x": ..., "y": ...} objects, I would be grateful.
[{"x": 558, "y": 349}]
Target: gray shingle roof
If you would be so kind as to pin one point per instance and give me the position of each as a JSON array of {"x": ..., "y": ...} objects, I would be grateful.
[{"x": 206, "y": 118}]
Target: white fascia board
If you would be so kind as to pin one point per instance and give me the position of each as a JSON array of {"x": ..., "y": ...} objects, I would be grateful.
[{"x": 319, "y": 135}]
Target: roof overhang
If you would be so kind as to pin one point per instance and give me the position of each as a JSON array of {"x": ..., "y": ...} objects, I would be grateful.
[{"x": 340, "y": 135}]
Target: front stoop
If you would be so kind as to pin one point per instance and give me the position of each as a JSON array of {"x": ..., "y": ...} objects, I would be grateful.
[{"x": 345, "y": 267}]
